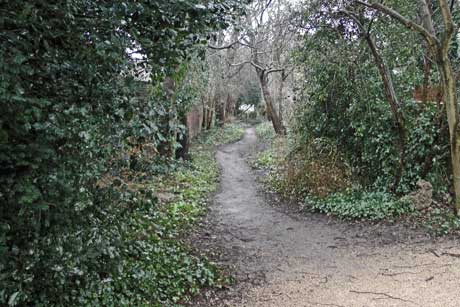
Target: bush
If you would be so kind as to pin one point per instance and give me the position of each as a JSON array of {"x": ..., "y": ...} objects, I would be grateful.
[
  {"x": 78, "y": 227},
  {"x": 315, "y": 169},
  {"x": 344, "y": 103}
]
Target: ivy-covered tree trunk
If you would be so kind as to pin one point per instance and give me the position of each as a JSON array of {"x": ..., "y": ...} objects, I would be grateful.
[
  {"x": 392, "y": 98},
  {"x": 166, "y": 146}
]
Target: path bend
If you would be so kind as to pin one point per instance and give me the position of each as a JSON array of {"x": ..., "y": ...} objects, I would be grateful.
[{"x": 305, "y": 260}]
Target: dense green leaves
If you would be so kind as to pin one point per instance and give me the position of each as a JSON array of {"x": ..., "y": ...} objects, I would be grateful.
[
  {"x": 343, "y": 101},
  {"x": 74, "y": 110},
  {"x": 358, "y": 204}
]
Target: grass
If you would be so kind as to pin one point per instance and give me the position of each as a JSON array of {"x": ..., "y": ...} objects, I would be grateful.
[{"x": 228, "y": 134}]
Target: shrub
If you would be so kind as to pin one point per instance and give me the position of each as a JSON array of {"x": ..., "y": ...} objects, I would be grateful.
[
  {"x": 69, "y": 108},
  {"x": 316, "y": 169}
]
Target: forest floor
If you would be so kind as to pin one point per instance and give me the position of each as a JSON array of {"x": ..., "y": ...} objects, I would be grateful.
[{"x": 280, "y": 257}]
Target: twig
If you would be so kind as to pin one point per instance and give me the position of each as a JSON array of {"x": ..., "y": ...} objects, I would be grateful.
[
  {"x": 422, "y": 265},
  {"x": 451, "y": 254},
  {"x": 229, "y": 46},
  {"x": 398, "y": 273},
  {"x": 413, "y": 266},
  {"x": 383, "y": 294},
  {"x": 325, "y": 304},
  {"x": 434, "y": 252}
]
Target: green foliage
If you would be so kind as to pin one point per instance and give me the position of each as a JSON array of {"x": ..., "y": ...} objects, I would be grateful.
[
  {"x": 228, "y": 134},
  {"x": 343, "y": 101},
  {"x": 80, "y": 225},
  {"x": 358, "y": 204},
  {"x": 442, "y": 221},
  {"x": 131, "y": 255},
  {"x": 265, "y": 131},
  {"x": 311, "y": 178},
  {"x": 265, "y": 160}
]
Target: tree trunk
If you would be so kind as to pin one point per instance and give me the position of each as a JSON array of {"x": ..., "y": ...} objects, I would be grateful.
[
  {"x": 450, "y": 97},
  {"x": 207, "y": 114},
  {"x": 390, "y": 93},
  {"x": 281, "y": 96},
  {"x": 210, "y": 118},
  {"x": 425, "y": 12},
  {"x": 231, "y": 106},
  {"x": 277, "y": 125},
  {"x": 166, "y": 147},
  {"x": 426, "y": 78}
]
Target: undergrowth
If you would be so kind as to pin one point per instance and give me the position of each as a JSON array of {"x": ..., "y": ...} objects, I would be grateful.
[
  {"x": 318, "y": 179},
  {"x": 265, "y": 131},
  {"x": 358, "y": 204},
  {"x": 227, "y": 134},
  {"x": 128, "y": 252},
  {"x": 442, "y": 221}
]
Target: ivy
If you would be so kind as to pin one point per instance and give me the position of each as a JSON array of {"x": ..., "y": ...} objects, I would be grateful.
[{"x": 81, "y": 92}]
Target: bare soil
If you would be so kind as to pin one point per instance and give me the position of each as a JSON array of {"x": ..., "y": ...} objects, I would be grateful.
[{"x": 280, "y": 257}]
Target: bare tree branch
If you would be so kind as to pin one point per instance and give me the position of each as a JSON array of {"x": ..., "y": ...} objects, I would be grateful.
[
  {"x": 430, "y": 38},
  {"x": 240, "y": 64},
  {"x": 257, "y": 66},
  {"x": 274, "y": 70},
  {"x": 352, "y": 16},
  {"x": 224, "y": 47}
]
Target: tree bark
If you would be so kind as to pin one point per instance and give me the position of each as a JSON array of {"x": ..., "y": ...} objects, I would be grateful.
[
  {"x": 281, "y": 95},
  {"x": 277, "y": 125},
  {"x": 450, "y": 96},
  {"x": 425, "y": 11}
]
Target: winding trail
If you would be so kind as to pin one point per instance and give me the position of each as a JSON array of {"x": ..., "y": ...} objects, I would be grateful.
[{"x": 284, "y": 259}]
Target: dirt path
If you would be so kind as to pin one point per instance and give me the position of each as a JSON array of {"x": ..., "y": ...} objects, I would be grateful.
[{"x": 309, "y": 260}]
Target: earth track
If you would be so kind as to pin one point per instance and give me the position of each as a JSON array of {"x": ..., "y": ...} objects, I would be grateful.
[{"x": 285, "y": 259}]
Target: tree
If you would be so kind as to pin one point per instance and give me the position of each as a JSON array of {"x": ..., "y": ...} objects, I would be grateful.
[
  {"x": 389, "y": 89},
  {"x": 264, "y": 40},
  {"x": 439, "y": 44}
]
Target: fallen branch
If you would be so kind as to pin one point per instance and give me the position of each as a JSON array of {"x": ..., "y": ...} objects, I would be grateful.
[
  {"x": 434, "y": 252},
  {"x": 325, "y": 304},
  {"x": 398, "y": 273},
  {"x": 383, "y": 294},
  {"x": 451, "y": 255}
]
